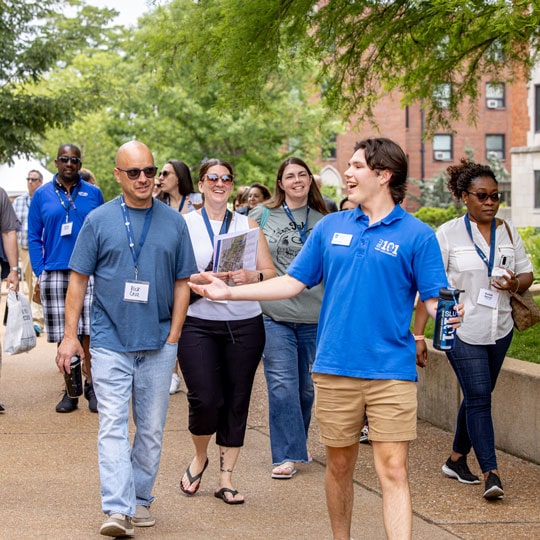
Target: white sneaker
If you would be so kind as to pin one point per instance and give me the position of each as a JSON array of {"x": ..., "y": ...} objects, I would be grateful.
[{"x": 175, "y": 384}]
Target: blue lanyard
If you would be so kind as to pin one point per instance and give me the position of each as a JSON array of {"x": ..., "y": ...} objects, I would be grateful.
[
  {"x": 224, "y": 225},
  {"x": 70, "y": 199},
  {"x": 129, "y": 231},
  {"x": 302, "y": 231},
  {"x": 492, "y": 250},
  {"x": 182, "y": 203}
]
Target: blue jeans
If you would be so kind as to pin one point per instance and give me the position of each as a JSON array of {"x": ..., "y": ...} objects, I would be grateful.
[
  {"x": 127, "y": 474},
  {"x": 477, "y": 368},
  {"x": 288, "y": 356}
]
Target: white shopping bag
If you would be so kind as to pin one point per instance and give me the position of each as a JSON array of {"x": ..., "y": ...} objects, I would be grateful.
[{"x": 20, "y": 335}]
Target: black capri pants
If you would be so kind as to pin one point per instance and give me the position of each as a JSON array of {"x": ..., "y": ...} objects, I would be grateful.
[{"x": 219, "y": 360}]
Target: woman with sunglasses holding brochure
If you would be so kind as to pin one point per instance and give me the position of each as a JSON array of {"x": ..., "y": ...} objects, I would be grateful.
[
  {"x": 222, "y": 342},
  {"x": 291, "y": 325},
  {"x": 484, "y": 257},
  {"x": 177, "y": 191}
]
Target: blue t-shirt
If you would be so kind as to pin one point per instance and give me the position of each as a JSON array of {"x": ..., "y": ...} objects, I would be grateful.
[
  {"x": 49, "y": 210},
  {"x": 371, "y": 275},
  {"x": 102, "y": 249}
]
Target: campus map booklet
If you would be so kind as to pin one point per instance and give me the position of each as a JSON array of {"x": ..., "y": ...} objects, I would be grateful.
[{"x": 233, "y": 251}]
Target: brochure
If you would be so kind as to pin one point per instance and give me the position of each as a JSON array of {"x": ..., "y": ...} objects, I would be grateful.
[{"x": 233, "y": 251}]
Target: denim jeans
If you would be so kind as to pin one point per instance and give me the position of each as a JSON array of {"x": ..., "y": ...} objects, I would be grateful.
[
  {"x": 127, "y": 474},
  {"x": 288, "y": 356},
  {"x": 477, "y": 368}
]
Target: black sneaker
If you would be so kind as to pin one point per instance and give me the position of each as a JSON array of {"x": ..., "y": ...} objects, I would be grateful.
[
  {"x": 90, "y": 395},
  {"x": 494, "y": 489},
  {"x": 67, "y": 404},
  {"x": 460, "y": 470}
]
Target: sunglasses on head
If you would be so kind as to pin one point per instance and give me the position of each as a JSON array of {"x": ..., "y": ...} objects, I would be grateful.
[
  {"x": 495, "y": 197},
  {"x": 66, "y": 159},
  {"x": 225, "y": 178},
  {"x": 134, "y": 174}
]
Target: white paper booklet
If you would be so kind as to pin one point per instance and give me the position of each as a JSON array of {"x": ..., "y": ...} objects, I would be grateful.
[{"x": 233, "y": 251}]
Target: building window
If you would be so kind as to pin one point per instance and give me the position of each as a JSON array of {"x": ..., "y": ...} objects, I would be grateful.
[
  {"x": 442, "y": 147},
  {"x": 495, "y": 147},
  {"x": 537, "y": 108},
  {"x": 495, "y": 95},
  {"x": 442, "y": 94},
  {"x": 537, "y": 189}
]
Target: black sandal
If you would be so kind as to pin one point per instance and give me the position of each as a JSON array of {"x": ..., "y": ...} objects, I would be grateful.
[
  {"x": 221, "y": 495},
  {"x": 192, "y": 480}
]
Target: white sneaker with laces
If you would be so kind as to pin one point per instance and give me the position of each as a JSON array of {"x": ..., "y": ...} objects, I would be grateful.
[{"x": 175, "y": 384}]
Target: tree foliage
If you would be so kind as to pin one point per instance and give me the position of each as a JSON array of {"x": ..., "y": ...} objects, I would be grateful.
[
  {"x": 36, "y": 36},
  {"x": 366, "y": 48}
]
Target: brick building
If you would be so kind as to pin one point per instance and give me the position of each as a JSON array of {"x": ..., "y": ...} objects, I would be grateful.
[{"x": 502, "y": 123}]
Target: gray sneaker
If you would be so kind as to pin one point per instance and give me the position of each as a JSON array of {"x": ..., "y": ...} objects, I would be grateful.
[
  {"x": 143, "y": 517},
  {"x": 117, "y": 525}
]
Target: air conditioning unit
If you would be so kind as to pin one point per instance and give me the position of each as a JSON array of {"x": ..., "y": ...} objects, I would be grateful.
[
  {"x": 494, "y": 154},
  {"x": 440, "y": 155},
  {"x": 492, "y": 104}
]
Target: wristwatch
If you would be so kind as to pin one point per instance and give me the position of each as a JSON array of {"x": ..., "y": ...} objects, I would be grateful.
[{"x": 14, "y": 268}]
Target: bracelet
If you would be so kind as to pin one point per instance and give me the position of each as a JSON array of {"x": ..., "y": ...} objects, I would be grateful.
[
  {"x": 14, "y": 268},
  {"x": 261, "y": 276},
  {"x": 516, "y": 289},
  {"x": 418, "y": 338}
]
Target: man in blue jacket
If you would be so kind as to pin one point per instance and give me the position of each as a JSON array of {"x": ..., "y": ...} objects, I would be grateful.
[{"x": 56, "y": 215}]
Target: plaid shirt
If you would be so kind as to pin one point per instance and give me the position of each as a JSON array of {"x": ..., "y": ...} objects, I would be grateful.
[{"x": 21, "y": 205}]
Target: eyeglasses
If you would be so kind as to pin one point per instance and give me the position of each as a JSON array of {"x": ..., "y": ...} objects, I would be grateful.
[
  {"x": 225, "y": 178},
  {"x": 165, "y": 173},
  {"x": 134, "y": 174},
  {"x": 66, "y": 159},
  {"x": 33, "y": 180},
  {"x": 482, "y": 197}
]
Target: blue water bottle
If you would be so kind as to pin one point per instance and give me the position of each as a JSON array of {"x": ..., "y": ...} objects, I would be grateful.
[{"x": 445, "y": 334}]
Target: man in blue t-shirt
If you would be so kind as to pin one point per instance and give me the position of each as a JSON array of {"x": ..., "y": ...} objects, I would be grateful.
[
  {"x": 372, "y": 261},
  {"x": 139, "y": 252}
]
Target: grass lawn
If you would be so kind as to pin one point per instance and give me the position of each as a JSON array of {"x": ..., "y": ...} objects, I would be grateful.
[{"x": 524, "y": 346}]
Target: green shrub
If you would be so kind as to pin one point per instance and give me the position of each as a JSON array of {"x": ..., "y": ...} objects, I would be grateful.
[{"x": 437, "y": 216}]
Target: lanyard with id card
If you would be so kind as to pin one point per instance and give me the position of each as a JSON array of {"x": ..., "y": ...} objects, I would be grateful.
[
  {"x": 67, "y": 227},
  {"x": 136, "y": 290}
]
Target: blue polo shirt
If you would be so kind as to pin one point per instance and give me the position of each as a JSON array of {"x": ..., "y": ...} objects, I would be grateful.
[{"x": 371, "y": 275}]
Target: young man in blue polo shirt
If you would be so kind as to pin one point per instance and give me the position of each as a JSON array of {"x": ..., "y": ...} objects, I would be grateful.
[{"x": 372, "y": 261}]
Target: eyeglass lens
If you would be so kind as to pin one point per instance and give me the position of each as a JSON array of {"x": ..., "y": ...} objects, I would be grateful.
[
  {"x": 133, "y": 174},
  {"x": 165, "y": 173},
  {"x": 66, "y": 159},
  {"x": 225, "y": 178},
  {"x": 495, "y": 197}
]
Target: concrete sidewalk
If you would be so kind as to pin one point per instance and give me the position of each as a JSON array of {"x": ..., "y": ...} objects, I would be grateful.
[{"x": 49, "y": 485}]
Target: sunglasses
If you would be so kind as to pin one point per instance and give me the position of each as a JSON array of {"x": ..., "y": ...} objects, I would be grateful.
[
  {"x": 134, "y": 174},
  {"x": 482, "y": 197},
  {"x": 225, "y": 178},
  {"x": 165, "y": 173},
  {"x": 156, "y": 185},
  {"x": 33, "y": 180},
  {"x": 67, "y": 159}
]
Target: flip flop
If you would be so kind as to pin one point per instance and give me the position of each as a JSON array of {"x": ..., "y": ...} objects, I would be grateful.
[
  {"x": 288, "y": 472},
  {"x": 192, "y": 480},
  {"x": 221, "y": 495}
]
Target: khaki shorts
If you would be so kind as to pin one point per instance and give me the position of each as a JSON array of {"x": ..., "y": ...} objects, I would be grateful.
[{"x": 340, "y": 403}]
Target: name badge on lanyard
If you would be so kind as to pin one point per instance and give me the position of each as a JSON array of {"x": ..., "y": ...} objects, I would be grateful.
[
  {"x": 136, "y": 290},
  {"x": 66, "y": 228}
]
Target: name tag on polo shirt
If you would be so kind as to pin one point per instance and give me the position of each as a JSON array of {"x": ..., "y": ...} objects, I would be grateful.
[
  {"x": 136, "y": 291},
  {"x": 342, "y": 239}
]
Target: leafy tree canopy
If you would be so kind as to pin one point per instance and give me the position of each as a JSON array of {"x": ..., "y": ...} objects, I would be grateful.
[
  {"x": 365, "y": 48},
  {"x": 36, "y": 36}
]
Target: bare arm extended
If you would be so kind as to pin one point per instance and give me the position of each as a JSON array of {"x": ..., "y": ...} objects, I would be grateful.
[{"x": 273, "y": 289}]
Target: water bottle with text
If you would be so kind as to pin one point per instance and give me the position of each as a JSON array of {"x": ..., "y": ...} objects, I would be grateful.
[{"x": 445, "y": 334}]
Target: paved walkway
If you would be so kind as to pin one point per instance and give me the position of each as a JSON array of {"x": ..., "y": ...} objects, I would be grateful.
[{"x": 49, "y": 486}]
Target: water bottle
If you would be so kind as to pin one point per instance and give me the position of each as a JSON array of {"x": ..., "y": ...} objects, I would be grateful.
[{"x": 445, "y": 334}]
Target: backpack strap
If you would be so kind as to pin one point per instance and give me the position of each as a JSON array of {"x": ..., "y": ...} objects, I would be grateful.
[{"x": 264, "y": 217}]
